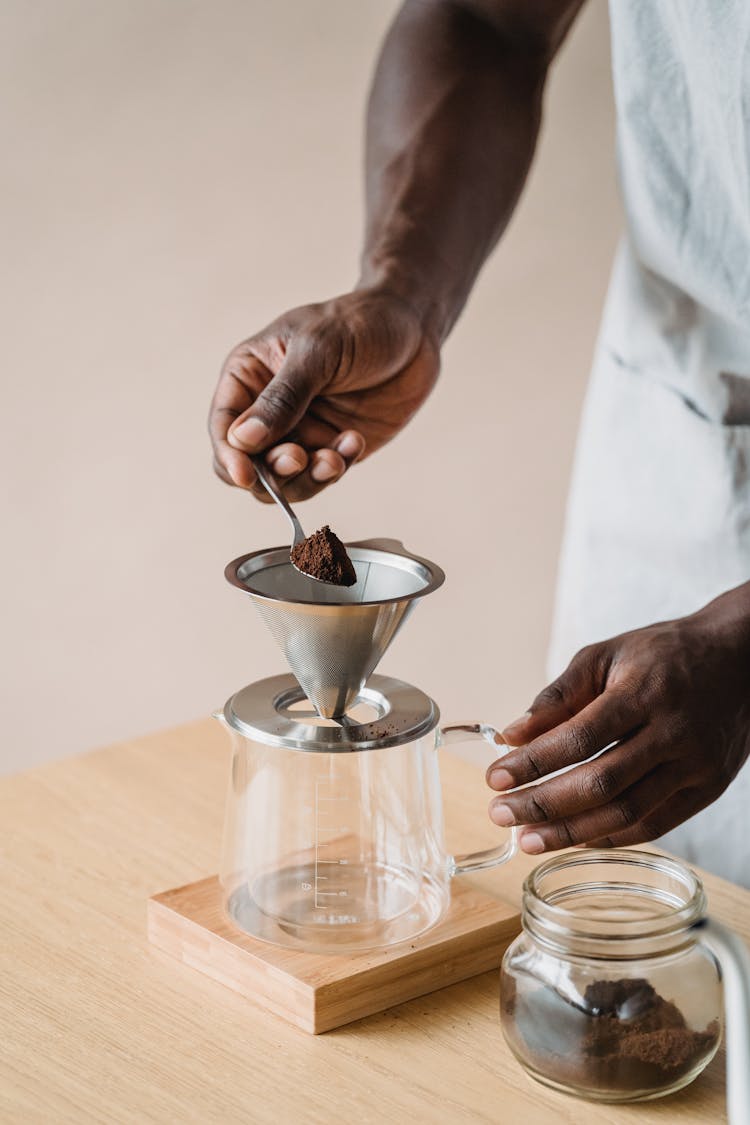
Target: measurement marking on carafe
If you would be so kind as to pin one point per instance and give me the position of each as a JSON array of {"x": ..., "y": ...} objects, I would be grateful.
[
  {"x": 320, "y": 830},
  {"x": 317, "y": 846}
]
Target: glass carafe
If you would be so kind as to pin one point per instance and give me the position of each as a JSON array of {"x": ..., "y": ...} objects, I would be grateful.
[{"x": 334, "y": 830}]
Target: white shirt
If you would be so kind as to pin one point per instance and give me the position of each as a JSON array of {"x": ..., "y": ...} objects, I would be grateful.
[{"x": 659, "y": 512}]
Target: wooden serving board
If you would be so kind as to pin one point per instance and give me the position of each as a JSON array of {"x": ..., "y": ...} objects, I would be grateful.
[{"x": 318, "y": 992}]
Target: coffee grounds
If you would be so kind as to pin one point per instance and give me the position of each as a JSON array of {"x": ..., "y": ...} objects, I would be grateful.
[
  {"x": 623, "y": 1038},
  {"x": 323, "y": 556}
]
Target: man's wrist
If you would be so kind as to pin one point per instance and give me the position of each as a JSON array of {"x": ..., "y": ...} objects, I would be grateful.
[
  {"x": 435, "y": 306},
  {"x": 729, "y": 614}
]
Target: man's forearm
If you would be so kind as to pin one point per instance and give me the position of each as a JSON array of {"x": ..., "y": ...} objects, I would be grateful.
[{"x": 452, "y": 124}]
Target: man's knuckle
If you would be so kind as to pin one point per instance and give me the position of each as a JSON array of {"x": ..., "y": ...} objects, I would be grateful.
[
  {"x": 307, "y": 340},
  {"x": 233, "y": 360},
  {"x": 581, "y": 741},
  {"x": 627, "y": 694},
  {"x": 566, "y": 834},
  {"x": 550, "y": 696},
  {"x": 586, "y": 655},
  {"x": 628, "y": 811},
  {"x": 538, "y": 807},
  {"x": 677, "y": 728},
  {"x": 533, "y": 767},
  {"x": 604, "y": 784},
  {"x": 666, "y": 688},
  {"x": 281, "y": 398},
  {"x": 651, "y": 828}
]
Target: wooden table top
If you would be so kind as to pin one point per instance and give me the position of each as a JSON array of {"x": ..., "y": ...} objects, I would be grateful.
[{"x": 99, "y": 1027}]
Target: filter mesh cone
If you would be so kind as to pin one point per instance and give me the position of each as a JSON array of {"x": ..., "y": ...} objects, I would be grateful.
[{"x": 334, "y": 637}]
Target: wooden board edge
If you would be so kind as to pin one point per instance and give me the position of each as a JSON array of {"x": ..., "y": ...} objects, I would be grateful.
[
  {"x": 342, "y": 1002},
  {"x": 172, "y": 933}
]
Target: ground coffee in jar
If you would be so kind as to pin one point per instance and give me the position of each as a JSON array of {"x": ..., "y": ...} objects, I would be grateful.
[
  {"x": 607, "y": 993},
  {"x": 623, "y": 1037}
]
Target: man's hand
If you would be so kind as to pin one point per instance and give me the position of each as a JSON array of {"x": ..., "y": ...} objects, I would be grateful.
[
  {"x": 452, "y": 122},
  {"x": 319, "y": 388},
  {"x": 674, "y": 699}
]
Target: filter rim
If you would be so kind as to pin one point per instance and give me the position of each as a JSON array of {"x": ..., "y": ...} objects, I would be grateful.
[{"x": 421, "y": 567}]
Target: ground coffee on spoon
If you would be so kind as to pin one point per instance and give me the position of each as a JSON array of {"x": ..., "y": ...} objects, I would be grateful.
[{"x": 323, "y": 556}]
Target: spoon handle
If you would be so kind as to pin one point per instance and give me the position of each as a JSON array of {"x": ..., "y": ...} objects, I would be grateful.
[{"x": 271, "y": 485}]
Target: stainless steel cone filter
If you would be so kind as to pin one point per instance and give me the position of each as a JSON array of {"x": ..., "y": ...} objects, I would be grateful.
[{"x": 334, "y": 637}]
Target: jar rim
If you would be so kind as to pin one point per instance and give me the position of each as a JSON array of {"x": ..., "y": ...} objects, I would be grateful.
[{"x": 678, "y": 904}]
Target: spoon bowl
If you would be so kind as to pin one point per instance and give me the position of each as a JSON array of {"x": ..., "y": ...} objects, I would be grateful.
[{"x": 268, "y": 479}]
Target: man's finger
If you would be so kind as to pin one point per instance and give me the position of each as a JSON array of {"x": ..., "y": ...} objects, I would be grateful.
[
  {"x": 611, "y": 717},
  {"x": 241, "y": 381},
  {"x": 632, "y": 811},
  {"x": 222, "y": 473},
  {"x": 587, "y": 786},
  {"x": 287, "y": 460},
  {"x": 233, "y": 395},
  {"x": 283, "y": 401},
  {"x": 326, "y": 466},
  {"x": 678, "y": 807},
  {"x": 578, "y": 685},
  {"x": 236, "y": 467}
]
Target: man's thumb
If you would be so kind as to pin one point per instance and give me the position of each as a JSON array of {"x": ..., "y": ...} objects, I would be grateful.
[{"x": 277, "y": 409}]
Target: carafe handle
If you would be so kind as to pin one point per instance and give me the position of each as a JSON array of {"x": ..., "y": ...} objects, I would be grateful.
[
  {"x": 734, "y": 960},
  {"x": 490, "y": 857}
]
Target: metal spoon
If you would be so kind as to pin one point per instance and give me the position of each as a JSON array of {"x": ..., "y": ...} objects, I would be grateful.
[{"x": 271, "y": 485}]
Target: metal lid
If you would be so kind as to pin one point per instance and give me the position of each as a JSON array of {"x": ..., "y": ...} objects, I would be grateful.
[{"x": 387, "y": 712}]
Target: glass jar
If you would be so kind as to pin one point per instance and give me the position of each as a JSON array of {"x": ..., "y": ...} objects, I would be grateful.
[{"x": 606, "y": 993}]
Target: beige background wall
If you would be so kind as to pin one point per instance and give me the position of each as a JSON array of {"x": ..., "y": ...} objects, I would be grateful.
[{"x": 177, "y": 173}]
